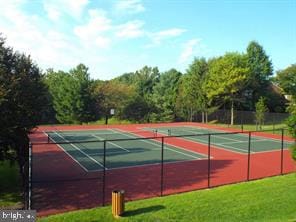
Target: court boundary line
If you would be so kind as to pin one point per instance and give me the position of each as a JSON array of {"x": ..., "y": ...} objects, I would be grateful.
[
  {"x": 145, "y": 139},
  {"x": 111, "y": 143},
  {"x": 138, "y": 165},
  {"x": 94, "y": 160},
  {"x": 67, "y": 153}
]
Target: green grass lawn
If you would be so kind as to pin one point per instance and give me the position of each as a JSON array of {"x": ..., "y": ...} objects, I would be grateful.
[
  {"x": 271, "y": 199},
  {"x": 10, "y": 196}
]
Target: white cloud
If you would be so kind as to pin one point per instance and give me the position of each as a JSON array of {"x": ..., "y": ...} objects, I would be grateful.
[
  {"x": 188, "y": 50},
  {"x": 93, "y": 31},
  {"x": 132, "y": 29},
  {"x": 158, "y": 37},
  {"x": 53, "y": 12},
  {"x": 130, "y": 6},
  {"x": 56, "y": 8}
]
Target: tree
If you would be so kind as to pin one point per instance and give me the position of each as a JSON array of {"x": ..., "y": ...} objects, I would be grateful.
[
  {"x": 261, "y": 69},
  {"x": 287, "y": 80},
  {"x": 70, "y": 93},
  {"x": 226, "y": 79},
  {"x": 111, "y": 95},
  {"x": 194, "y": 86},
  {"x": 145, "y": 79},
  {"x": 261, "y": 109},
  {"x": 137, "y": 109},
  {"x": 23, "y": 99},
  {"x": 165, "y": 94}
]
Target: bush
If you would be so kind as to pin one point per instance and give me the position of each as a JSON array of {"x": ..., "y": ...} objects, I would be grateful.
[
  {"x": 293, "y": 151},
  {"x": 291, "y": 123}
]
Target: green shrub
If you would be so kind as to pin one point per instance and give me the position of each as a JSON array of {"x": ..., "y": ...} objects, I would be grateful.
[{"x": 291, "y": 123}]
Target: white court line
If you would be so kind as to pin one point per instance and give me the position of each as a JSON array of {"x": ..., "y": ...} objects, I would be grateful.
[
  {"x": 81, "y": 151},
  {"x": 145, "y": 140},
  {"x": 204, "y": 142},
  {"x": 68, "y": 154},
  {"x": 216, "y": 144},
  {"x": 221, "y": 137},
  {"x": 111, "y": 143},
  {"x": 243, "y": 142},
  {"x": 102, "y": 153}
]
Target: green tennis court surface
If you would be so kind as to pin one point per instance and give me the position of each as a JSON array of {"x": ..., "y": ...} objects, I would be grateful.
[
  {"x": 233, "y": 142},
  {"x": 85, "y": 148}
]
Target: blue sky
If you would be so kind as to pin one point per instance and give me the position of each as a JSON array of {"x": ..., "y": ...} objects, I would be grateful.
[{"x": 114, "y": 37}]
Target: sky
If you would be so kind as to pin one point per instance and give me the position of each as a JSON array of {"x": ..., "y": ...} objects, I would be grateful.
[{"x": 114, "y": 37}]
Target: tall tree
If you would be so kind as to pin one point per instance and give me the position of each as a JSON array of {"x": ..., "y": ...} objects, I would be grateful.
[
  {"x": 165, "y": 94},
  {"x": 194, "y": 86},
  {"x": 23, "y": 98},
  {"x": 71, "y": 94},
  {"x": 226, "y": 79},
  {"x": 287, "y": 80},
  {"x": 145, "y": 79},
  {"x": 261, "y": 70}
]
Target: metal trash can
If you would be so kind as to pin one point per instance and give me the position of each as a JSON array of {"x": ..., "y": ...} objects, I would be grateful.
[{"x": 117, "y": 202}]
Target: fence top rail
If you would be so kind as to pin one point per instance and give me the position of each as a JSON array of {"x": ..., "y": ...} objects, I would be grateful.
[{"x": 158, "y": 137}]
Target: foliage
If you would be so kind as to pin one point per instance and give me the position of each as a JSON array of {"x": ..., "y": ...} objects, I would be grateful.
[
  {"x": 137, "y": 109},
  {"x": 291, "y": 123},
  {"x": 271, "y": 199},
  {"x": 287, "y": 79},
  {"x": 165, "y": 94},
  {"x": 71, "y": 94},
  {"x": 192, "y": 96},
  {"x": 293, "y": 150},
  {"x": 145, "y": 79},
  {"x": 10, "y": 186},
  {"x": 226, "y": 79},
  {"x": 260, "y": 67},
  {"x": 23, "y": 98},
  {"x": 111, "y": 95},
  {"x": 261, "y": 109}
]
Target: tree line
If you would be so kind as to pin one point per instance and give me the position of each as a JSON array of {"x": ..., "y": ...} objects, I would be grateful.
[
  {"x": 231, "y": 81},
  {"x": 29, "y": 97}
]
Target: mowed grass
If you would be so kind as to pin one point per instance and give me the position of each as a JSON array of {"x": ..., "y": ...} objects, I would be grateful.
[
  {"x": 271, "y": 199},
  {"x": 10, "y": 181}
]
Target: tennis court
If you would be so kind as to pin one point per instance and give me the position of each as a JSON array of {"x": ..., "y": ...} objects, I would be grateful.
[
  {"x": 125, "y": 149},
  {"x": 236, "y": 142},
  {"x": 145, "y": 160}
]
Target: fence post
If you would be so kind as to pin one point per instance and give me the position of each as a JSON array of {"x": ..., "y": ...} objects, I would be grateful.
[
  {"x": 30, "y": 177},
  {"x": 282, "y": 152},
  {"x": 209, "y": 160},
  {"x": 161, "y": 173},
  {"x": 249, "y": 156},
  {"x": 104, "y": 174}
]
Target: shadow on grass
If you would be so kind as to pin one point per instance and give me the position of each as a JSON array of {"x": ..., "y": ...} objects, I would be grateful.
[{"x": 143, "y": 210}]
